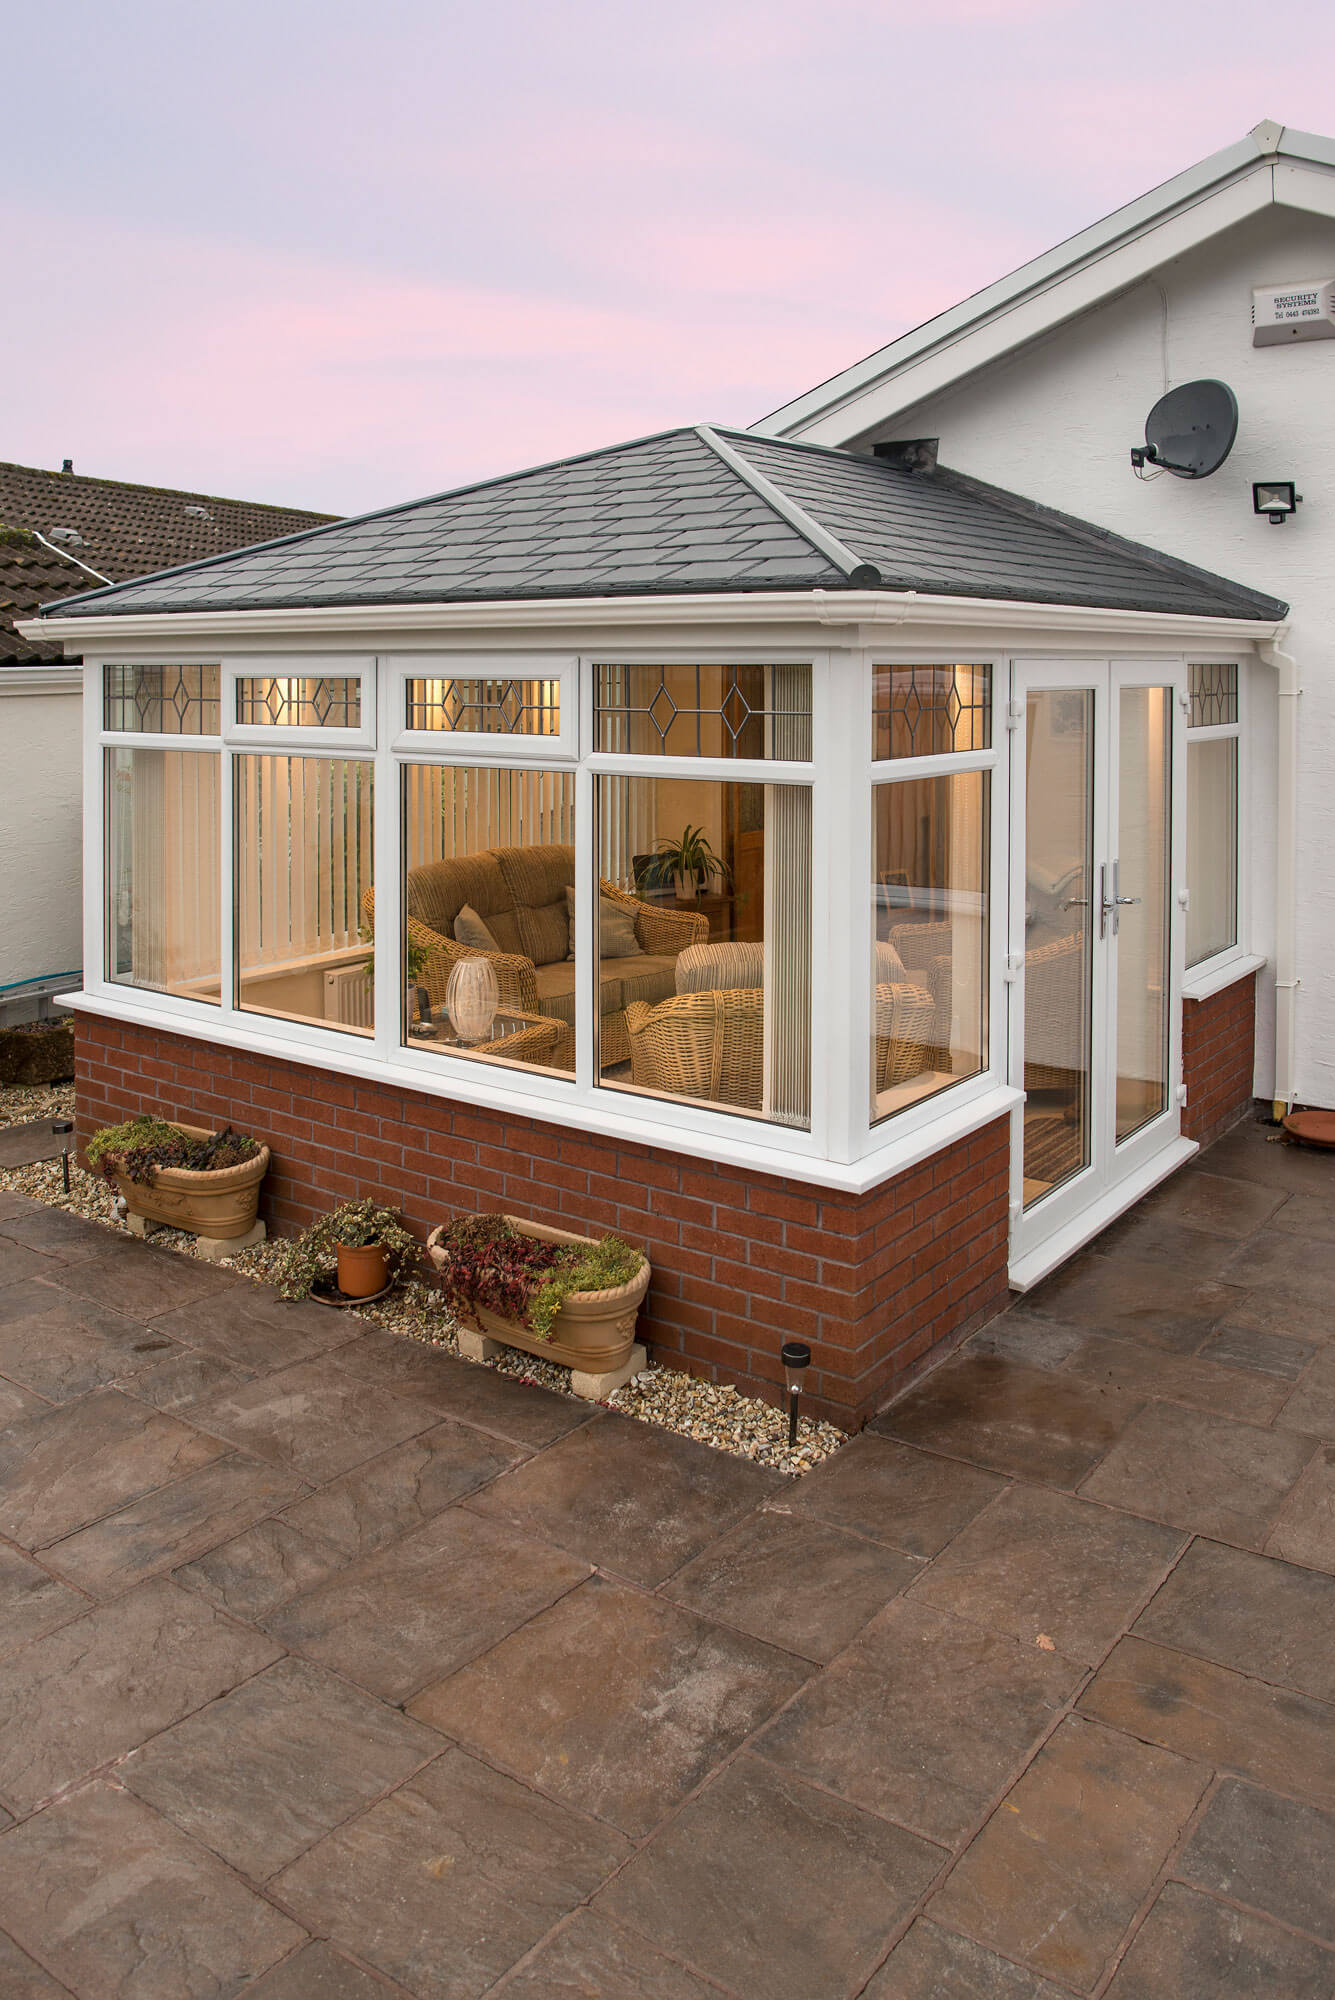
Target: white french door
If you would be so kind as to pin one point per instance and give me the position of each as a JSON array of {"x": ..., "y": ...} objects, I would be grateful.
[{"x": 1096, "y": 945}]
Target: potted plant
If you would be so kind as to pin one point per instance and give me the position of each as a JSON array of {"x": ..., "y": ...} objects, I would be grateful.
[
  {"x": 571, "y": 1299},
  {"x": 184, "y": 1175},
  {"x": 689, "y": 863},
  {"x": 360, "y": 1249},
  {"x": 37, "y": 1052}
]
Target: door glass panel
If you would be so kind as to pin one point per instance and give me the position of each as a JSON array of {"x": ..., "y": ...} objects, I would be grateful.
[
  {"x": 1141, "y": 885},
  {"x": 1059, "y": 933}
]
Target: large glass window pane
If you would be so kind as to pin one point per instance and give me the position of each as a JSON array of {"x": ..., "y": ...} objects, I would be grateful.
[
  {"x": 1060, "y": 920},
  {"x": 162, "y": 833},
  {"x": 930, "y": 711},
  {"x": 1212, "y": 847},
  {"x": 929, "y": 975},
  {"x": 488, "y": 892},
  {"x": 1141, "y": 886},
  {"x": 759, "y": 712},
  {"x": 161, "y": 701},
  {"x": 310, "y": 701},
  {"x": 704, "y": 943},
  {"x": 303, "y": 882}
]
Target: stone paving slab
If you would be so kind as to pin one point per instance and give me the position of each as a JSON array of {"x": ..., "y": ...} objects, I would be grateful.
[{"x": 1026, "y": 1694}]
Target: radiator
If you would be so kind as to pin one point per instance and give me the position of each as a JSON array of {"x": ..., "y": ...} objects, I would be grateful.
[{"x": 348, "y": 997}]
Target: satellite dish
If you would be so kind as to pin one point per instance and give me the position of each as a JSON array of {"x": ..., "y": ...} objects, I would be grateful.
[{"x": 1190, "y": 431}]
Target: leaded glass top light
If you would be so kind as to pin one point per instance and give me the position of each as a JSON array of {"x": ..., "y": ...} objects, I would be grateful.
[
  {"x": 508, "y": 706},
  {"x": 319, "y": 701},
  {"x": 931, "y": 711},
  {"x": 1214, "y": 695},
  {"x": 705, "y": 711},
  {"x": 161, "y": 701}
]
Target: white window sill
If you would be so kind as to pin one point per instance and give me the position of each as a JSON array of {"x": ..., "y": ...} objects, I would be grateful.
[
  {"x": 896, "y": 1156},
  {"x": 1206, "y": 980}
]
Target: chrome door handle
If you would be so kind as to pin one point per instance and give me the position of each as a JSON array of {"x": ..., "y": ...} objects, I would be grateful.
[{"x": 1125, "y": 902}]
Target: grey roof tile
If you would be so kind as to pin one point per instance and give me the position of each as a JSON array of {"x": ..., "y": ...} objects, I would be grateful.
[{"x": 677, "y": 512}]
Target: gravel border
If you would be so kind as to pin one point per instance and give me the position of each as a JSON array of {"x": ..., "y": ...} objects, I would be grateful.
[
  {"x": 25, "y": 1103},
  {"x": 709, "y": 1412}
]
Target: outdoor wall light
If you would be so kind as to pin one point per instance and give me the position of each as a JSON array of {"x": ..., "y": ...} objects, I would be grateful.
[
  {"x": 1276, "y": 498},
  {"x": 796, "y": 1358},
  {"x": 62, "y": 1127}
]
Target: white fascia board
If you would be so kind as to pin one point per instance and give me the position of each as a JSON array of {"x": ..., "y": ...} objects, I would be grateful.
[
  {"x": 907, "y": 374},
  {"x": 1310, "y": 192},
  {"x": 384, "y": 626}
]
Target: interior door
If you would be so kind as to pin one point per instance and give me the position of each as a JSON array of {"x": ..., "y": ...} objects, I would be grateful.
[{"x": 1096, "y": 939}]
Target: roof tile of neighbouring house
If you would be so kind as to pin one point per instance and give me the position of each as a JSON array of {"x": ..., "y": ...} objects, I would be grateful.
[
  {"x": 695, "y": 511},
  {"x": 124, "y": 531}
]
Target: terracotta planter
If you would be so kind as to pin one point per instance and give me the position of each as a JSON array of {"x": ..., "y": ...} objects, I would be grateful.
[
  {"x": 593, "y": 1333},
  {"x": 221, "y": 1202},
  {"x": 363, "y": 1269}
]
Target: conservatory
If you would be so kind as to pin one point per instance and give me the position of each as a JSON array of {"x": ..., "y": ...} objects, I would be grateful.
[{"x": 788, "y": 861}]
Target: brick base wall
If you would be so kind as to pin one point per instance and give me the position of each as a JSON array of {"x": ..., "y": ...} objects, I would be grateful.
[
  {"x": 1218, "y": 1059},
  {"x": 742, "y": 1261}
]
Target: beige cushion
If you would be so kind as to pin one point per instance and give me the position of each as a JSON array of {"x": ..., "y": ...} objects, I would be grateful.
[
  {"x": 556, "y": 990},
  {"x": 616, "y": 928},
  {"x": 720, "y": 968},
  {"x": 544, "y": 934},
  {"x": 649, "y": 979},
  {"x": 535, "y": 876},
  {"x": 470, "y": 929}
]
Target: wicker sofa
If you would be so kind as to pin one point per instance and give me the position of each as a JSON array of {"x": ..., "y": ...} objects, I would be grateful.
[{"x": 519, "y": 892}]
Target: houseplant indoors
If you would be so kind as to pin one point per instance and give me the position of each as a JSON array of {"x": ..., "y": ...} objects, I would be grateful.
[
  {"x": 360, "y": 1248},
  {"x": 687, "y": 864},
  {"x": 165, "y": 1171},
  {"x": 571, "y": 1299}
]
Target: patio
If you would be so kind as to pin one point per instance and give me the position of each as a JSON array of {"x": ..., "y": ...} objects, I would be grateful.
[{"x": 332, "y": 1668}]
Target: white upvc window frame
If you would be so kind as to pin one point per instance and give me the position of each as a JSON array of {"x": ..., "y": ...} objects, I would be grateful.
[
  {"x": 297, "y": 738},
  {"x": 478, "y": 746},
  {"x": 841, "y": 1148},
  {"x": 689, "y": 1115},
  {"x": 1235, "y": 961},
  {"x": 893, "y": 1132}
]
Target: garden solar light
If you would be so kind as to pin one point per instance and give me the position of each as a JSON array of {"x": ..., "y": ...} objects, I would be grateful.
[
  {"x": 796, "y": 1358},
  {"x": 62, "y": 1128}
]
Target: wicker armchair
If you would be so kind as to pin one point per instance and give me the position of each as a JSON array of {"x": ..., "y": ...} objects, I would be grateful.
[
  {"x": 926, "y": 953},
  {"x": 707, "y": 1045},
  {"x": 903, "y": 1028}
]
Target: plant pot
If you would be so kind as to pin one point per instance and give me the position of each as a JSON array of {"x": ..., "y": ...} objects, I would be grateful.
[
  {"x": 593, "y": 1333},
  {"x": 221, "y": 1202},
  {"x": 363, "y": 1269},
  {"x": 685, "y": 887}
]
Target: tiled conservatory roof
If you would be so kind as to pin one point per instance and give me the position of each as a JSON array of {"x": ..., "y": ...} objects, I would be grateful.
[{"x": 695, "y": 511}]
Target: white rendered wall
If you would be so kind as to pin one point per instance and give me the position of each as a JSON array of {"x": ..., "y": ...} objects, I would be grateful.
[
  {"x": 41, "y": 826},
  {"x": 1056, "y": 422}
]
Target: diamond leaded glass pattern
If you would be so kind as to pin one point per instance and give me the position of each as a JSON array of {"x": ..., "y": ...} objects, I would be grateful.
[
  {"x": 486, "y": 707},
  {"x": 161, "y": 701},
  {"x": 931, "y": 711},
  {"x": 705, "y": 711},
  {"x": 1214, "y": 695},
  {"x": 320, "y": 701}
]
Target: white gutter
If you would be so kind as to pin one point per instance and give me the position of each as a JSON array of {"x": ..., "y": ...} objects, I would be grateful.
[
  {"x": 871, "y": 609},
  {"x": 1286, "y": 879}
]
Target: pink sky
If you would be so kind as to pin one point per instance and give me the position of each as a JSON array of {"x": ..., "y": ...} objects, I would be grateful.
[{"x": 338, "y": 256}]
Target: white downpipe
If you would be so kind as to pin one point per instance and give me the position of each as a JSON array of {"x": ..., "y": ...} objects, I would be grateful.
[{"x": 1286, "y": 879}]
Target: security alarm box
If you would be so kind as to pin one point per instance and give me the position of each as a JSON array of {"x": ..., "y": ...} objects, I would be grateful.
[{"x": 1293, "y": 312}]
